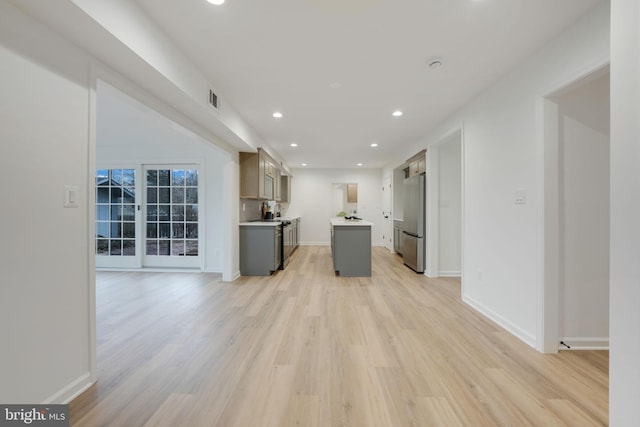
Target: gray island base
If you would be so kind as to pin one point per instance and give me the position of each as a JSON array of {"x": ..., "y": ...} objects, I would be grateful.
[{"x": 351, "y": 247}]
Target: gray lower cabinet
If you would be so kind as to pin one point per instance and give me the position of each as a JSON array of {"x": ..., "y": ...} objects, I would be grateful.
[
  {"x": 296, "y": 241},
  {"x": 351, "y": 249},
  {"x": 260, "y": 250},
  {"x": 398, "y": 237}
]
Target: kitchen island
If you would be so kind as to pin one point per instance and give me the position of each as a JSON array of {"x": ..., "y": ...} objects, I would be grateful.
[{"x": 351, "y": 247}]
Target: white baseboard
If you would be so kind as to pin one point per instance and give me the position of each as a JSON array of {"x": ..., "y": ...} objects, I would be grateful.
[
  {"x": 503, "y": 322},
  {"x": 153, "y": 269},
  {"x": 328, "y": 243},
  {"x": 585, "y": 343},
  {"x": 450, "y": 274},
  {"x": 71, "y": 391}
]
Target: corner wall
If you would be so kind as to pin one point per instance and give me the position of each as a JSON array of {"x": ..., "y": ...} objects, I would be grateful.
[
  {"x": 46, "y": 282},
  {"x": 624, "y": 374}
]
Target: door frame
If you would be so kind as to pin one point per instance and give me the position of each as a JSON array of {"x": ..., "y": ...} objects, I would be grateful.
[
  {"x": 548, "y": 297},
  {"x": 432, "y": 187},
  {"x": 387, "y": 211}
]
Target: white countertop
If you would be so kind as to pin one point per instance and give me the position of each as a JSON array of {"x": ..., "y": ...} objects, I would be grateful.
[
  {"x": 261, "y": 223},
  {"x": 270, "y": 223},
  {"x": 341, "y": 221}
]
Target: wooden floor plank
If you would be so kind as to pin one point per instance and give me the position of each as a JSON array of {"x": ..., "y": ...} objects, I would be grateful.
[{"x": 306, "y": 347}]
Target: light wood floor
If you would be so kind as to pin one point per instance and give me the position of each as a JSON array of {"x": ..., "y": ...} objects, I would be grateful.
[{"x": 306, "y": 348}]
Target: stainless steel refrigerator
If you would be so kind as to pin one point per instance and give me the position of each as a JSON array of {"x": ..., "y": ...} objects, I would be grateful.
[{"x": 414, "y": 222}]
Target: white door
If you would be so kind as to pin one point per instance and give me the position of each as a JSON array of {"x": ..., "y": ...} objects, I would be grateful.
[
  {"x": 172, "y": 218},
  {"x": 118, "y": 216}
]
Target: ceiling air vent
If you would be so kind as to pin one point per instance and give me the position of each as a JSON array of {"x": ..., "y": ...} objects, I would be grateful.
[{"x": 213, "y": 99}]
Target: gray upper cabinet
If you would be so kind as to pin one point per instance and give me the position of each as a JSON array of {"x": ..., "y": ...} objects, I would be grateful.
[
  {"x": 251, "y": 176},
  {"x": 285, "y": 187},
  {"x": 418, "y": 163},
  {"x": 277, "y": 184},
  {"x": 259, "y": 176},
  {"x": 352, "y": 193}
]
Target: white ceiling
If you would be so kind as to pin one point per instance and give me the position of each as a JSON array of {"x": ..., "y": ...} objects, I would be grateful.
[{"x": 337, "y": 69}]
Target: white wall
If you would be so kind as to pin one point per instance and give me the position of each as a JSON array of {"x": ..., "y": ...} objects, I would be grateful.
[
  {"x": 311, "y": 199},
  {"x": 584, "y": 214},
  {"x": 503, "y": 154},
  {"x": 624, "y": 373},
  {"x": 131, "y": 134},
  {"x": 45, "y": 291}
]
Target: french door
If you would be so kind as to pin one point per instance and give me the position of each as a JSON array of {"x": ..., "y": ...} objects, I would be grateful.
[
  {"x": 117, "y": 218},
  {"x": 171, "y": 216},
  {"x": 148, "y": 216}
]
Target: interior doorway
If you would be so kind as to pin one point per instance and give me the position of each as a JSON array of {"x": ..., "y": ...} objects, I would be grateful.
[
  {"x": 160, "y": 198},
  {"x": 576, "y": 288},
  {"x": 445, "y": 206},
  {"x": 450, "y": 206}
]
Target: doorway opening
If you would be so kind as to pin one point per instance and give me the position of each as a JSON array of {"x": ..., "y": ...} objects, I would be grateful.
[
  {"x": 576, "y": 215},
  {"x": 445, "y": 206},
  {"x": 160, "y": 198}
]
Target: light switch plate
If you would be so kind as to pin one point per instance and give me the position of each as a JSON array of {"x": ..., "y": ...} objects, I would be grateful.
[
  {"x": 520, "y": 197},
  {"x": 71, "y": 194}
]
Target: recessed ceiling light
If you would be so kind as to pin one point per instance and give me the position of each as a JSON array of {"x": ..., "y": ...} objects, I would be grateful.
[
  {"x": 304, "y": 164},
  {"x": 359, "y": 164},
  {"x": 293, "y": 144},
  {"x": 373, "y": 145},
  {"x": 277, "y": 115},
  {"x": 335, "y": 85},
  {"x": 397, "y": 113},
  {"x": 216, "y": 2}
]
